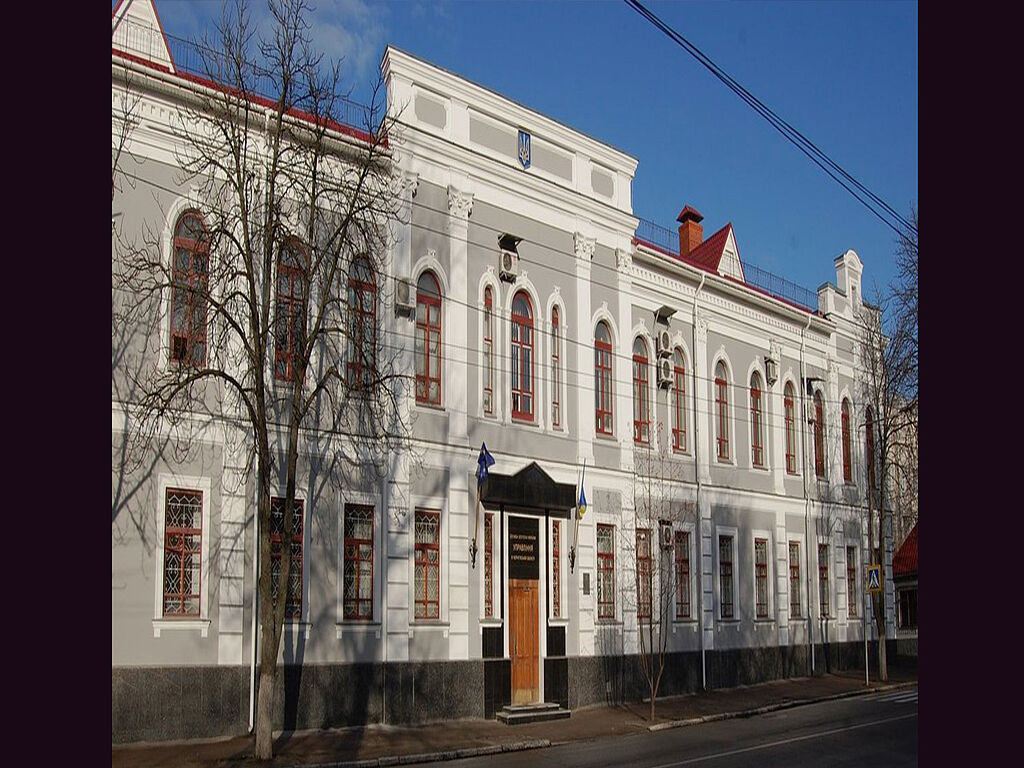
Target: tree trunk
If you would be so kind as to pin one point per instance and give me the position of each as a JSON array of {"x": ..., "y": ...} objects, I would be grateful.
[{"x": 264, "y": 749}]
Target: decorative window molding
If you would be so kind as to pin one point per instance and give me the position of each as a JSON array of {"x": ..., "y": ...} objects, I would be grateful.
[
  {"x": 606, "y": 586},
  {"x": 641, "y": 392},
  {"x": 604, "y": 379},
  {"x": 428, "y": 346},
  {"x": 764, "y": 593},
  {"x": 725, "y": 573},
  {"x": 522, "y": 378}
]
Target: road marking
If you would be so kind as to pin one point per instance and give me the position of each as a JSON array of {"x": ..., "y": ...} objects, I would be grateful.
[{"x": 783, "y": 741}]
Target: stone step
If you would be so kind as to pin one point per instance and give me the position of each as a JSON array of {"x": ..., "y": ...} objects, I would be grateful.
[{"x": 531, "y": 713}]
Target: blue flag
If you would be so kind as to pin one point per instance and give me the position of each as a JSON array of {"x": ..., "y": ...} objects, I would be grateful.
[
  {"x": 582, "y": 506},
  {"x": 483, "y": 461}
]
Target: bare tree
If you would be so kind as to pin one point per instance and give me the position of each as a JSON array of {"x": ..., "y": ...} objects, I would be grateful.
[
  {"x": 273, "y": 288},
  {"x": 658, "y": 585}
]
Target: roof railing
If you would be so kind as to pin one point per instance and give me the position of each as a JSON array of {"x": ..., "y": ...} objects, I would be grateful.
[
  {"x": 192, "y": 58},
  {"x": 778, "y": 287}
]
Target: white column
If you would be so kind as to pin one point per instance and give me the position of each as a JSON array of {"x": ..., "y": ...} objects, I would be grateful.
[
  {"x": 456, "y": 333},
  {"x": 623, "y": 365},
  {"x": 708, "y": 544},
  {"x": 581, "y": 375}
]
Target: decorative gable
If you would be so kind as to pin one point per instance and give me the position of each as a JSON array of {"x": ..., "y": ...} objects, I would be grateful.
[
  {"x": 730, "y": 264},
  {"x": 137, "y": 31}
]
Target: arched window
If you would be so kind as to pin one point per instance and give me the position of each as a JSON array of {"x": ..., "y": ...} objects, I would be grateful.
[
  {"x": 722, "y": 410},
  {"x": 188, "y": 293},
  {"x": 290, "y": 311},
  {"x": 641, "y": 398},
  {"x": 428, "y": 340},
  {"x": 756, "y": 421},
  {"x": 847, "y": 458},
  {"x": 522, "y": 357},
  {"x": 488, "y": 393},
  {"x": 790, "y": 406},
  {"x": 679, "y": 403},
  {"x": 556, "y": 373},
  {"x": 869, "y": 437},
  {"x": 362, "y": 332},
  {"x": 819, "y": 435},
  {"x": 603, "y": 378}
]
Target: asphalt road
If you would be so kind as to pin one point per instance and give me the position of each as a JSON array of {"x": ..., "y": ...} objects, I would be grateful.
[{"x": 876, "y": 730}]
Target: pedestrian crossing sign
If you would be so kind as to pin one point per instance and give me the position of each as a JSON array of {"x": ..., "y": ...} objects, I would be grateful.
[{"x": 874, "y": 579}]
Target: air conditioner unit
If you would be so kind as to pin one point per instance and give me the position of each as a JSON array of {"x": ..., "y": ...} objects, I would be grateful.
[
  {"x": 664, "y": 343},
  {"x": 508, "y": 265},
  {"x": 666, "y": 535},
  {"x": 665, "y": 372},
  {"x": 405, "y": 296}
]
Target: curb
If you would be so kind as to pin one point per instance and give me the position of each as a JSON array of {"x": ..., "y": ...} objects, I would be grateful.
[
  {"x": 773, "y": 707},
  {"x": 432, "y": 757}
]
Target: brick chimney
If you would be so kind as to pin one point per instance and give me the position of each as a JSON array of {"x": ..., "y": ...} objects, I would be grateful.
[{"x": 691, "y": 233}]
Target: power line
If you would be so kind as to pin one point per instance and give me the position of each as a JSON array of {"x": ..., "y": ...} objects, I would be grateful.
[{"x": 801, "y": 142}]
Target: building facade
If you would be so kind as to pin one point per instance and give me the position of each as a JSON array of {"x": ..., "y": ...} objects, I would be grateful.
[{"x": 539, "y": 316}]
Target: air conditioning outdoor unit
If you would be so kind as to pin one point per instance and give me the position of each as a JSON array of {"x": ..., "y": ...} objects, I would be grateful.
[
  {"x": 405, "y": 296},
  {"x": 664, "y": 343},
  {"x": 665, "y": 373},
  {"x": 666, "y": 535},
  {"x": 508, "y": 257}
]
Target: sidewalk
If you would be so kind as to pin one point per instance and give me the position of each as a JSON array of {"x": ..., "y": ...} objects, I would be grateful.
[{"x": 464, "y": 738}]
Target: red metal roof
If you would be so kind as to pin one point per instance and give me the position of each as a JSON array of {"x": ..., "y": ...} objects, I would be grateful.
[
  {"x": 709, "y": 253},
  {"x": 905, "y": 559}
]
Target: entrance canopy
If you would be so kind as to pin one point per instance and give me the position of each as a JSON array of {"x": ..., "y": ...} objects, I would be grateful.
[{"x": 530, "y": 489}]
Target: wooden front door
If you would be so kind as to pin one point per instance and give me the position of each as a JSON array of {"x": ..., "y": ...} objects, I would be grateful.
[{"x": 523, "y": 640}]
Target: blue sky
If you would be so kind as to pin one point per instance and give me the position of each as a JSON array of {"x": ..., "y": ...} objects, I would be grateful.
[{"x": 843, "y": 73}]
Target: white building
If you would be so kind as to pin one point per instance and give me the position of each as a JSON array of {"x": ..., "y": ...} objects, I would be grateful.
[{"x": 587, "y": 337}]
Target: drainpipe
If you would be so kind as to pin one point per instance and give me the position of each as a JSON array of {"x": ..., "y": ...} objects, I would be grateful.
[
  {"x": 255, "y": 608},
  {"x": 696, "y": 475},
  {"x": 807, "y": 501}
]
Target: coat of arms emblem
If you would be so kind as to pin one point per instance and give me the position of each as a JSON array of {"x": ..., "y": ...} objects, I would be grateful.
[{"x": 524, "y": 149}]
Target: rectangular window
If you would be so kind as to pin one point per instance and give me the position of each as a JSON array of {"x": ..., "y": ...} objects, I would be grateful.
[
  {"x": 757, "y": 438},
  {"x": 428, "y": 564},
  {"x": 907, "y": 609},
  {"x": 489, "y": 565},
  {"x": 644, "y": 574},
  {"x": 790, "y": 430},
  {"x": 722, "y": 408},
  {"x": 605, "y": 572},
  {"x": 556, "y": 569},
  {"x": 761, "y": 577},
  {"x": 679, "y": 408},
  {"x": 795, "y": 611},
  {"x": 725, "y": 576},
  {"x": 183, "y": 547},
  {"x": 682, "y": 575},
  {"x": 823, "y": 579},
  {"x": 851, "y": 581},
  {"x": 293, "y": 598},
  {"x": 357, "y": 594}
]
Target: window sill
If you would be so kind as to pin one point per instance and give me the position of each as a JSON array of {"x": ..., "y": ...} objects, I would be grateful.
[
  {"x": 760, "y": 468},
  {"x": 160, "y": 625},
  {"x": 352, "y": 626},
  {"x": 605, "y": 436},
  {"x": 725, "y": 462},
  {"x": 431, "y": 407},
  {"x": 734, "y": 623},
  {"x": 519, "y": 421},
  {"x": 764, "y": 623},
  {"x": 559, "y": 621},
  {"x": 608, "y": 623},
  {"x": 491, "y": 621},
  {"x": 680, "y": 452}
]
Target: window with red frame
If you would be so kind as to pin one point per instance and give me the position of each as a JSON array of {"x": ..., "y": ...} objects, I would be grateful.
[
  {"x": 790, "y": 408},
  {"x": 189, "y": 288},
  {"x": 362, "y": 339},
  {"x": 795, "y": 611},
  {"x": 644, "y": 574},
  {"x": 556, "y": 373},
  {"x": 725, "y": 576},
  {"x": 847, "y": 459},
  {"x": 522, "y": 357},
  {"x": 722, "y": 410},
  {"x": 428, "y": 340},
  {"x": 823, "y": 579},
  {"x": 679, "y": 404},
  {"x": 183, "y": 552},
  {"x": 819, "y": 435},
  {"x": 761, "y": 577},
  {"x": 488, "y": 565},
  {"x": 641, "y": 397},
  {"x": 603, "y": 378},
  {"x": 682, "y": 558},
  {"x": 756, "y": 421},
  {"x": 428, "y": 564},
  {"x": 357, "y": 590},
  {"x": 851, "y": 581},
  {"x": 293, "y": 598},
  {"x": 290, "y": 310},
  {"x": 605, "y": 572},
  {"x": 488, "y": 351},
  {"x": 556, "y": 569}
]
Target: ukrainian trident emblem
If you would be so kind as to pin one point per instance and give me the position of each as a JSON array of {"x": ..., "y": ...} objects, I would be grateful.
[{"x": 524, "y": 149}]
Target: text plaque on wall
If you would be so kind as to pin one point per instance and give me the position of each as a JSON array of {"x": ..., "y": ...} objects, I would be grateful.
[{"x": 523, "y": 548}]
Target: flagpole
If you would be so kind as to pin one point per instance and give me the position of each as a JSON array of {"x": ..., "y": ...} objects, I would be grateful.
[{"x": 576, "y": 528}]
